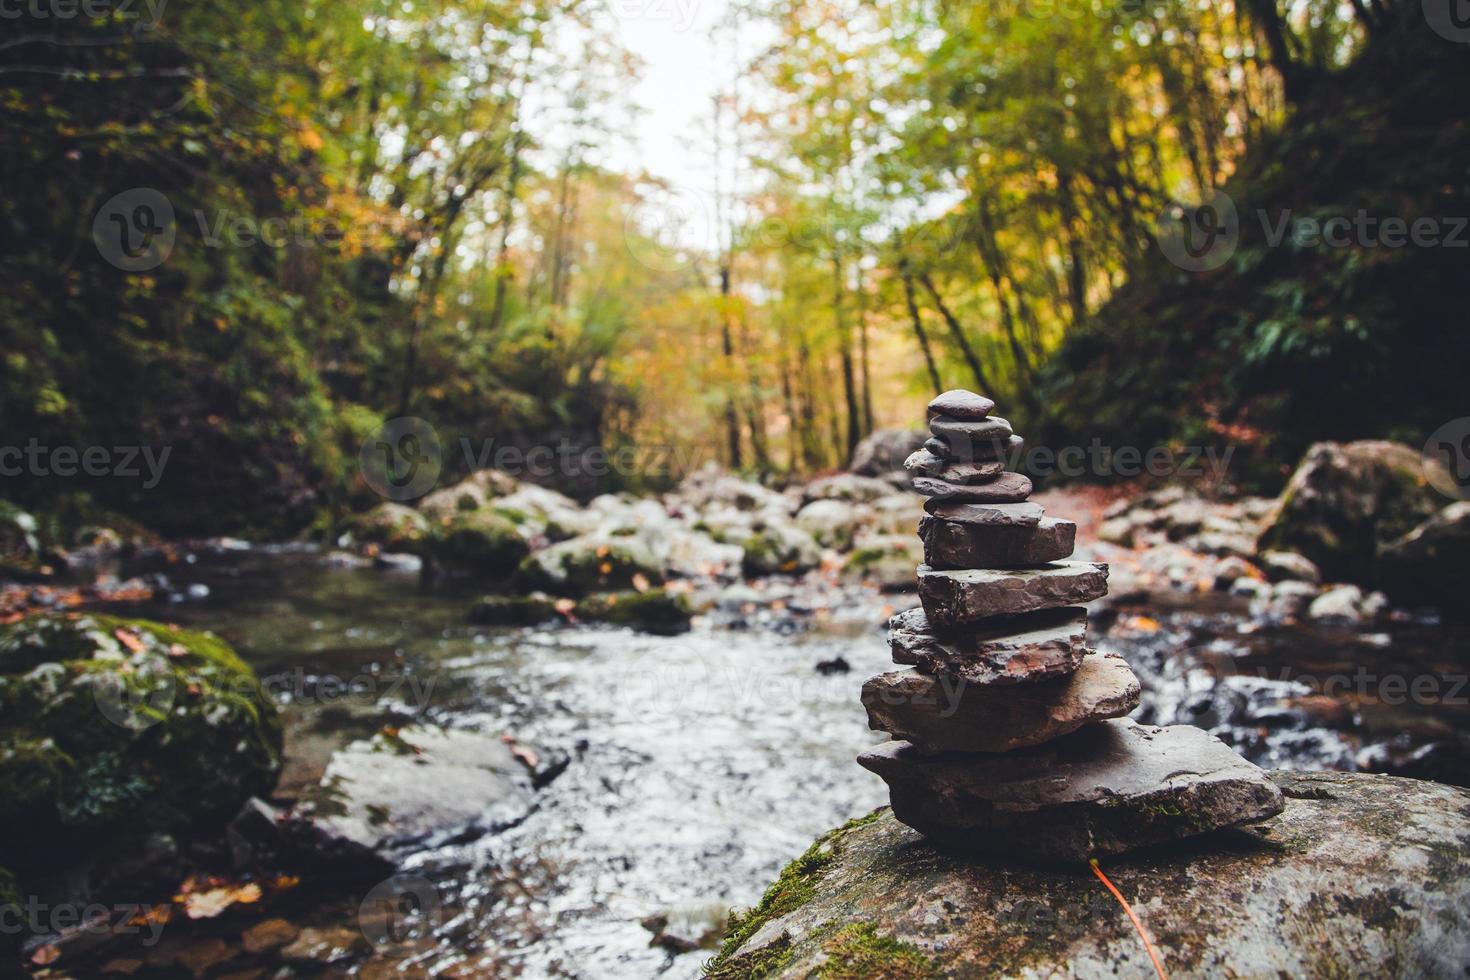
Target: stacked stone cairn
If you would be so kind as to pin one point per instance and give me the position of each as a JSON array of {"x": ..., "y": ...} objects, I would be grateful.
[{"x": 1009, "y": 732}]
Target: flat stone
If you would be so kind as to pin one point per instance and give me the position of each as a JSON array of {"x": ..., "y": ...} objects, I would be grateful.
[
  {"x": 939, "y": 713},
  {"x": 958, "y": 433},
  {"x": 1111, "y": 787},
  {"x": 1008, "y": 488},
  {"x": 970, "y": 451},
  {"x": 965, "y": 595},
  {"x": 1011, "y": 650},
  {"x": 926, "y": 463},
  {"x": 1320, "y": 890},
  {"x": 961, "y": 404},
  {"x": 1019, "y": 515},
  {"x": 953, "y": 544}
]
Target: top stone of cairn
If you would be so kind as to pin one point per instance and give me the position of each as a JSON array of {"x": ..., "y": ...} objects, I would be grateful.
[{"x": 960, "y": 404}]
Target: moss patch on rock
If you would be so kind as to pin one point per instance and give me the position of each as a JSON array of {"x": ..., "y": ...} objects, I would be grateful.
[
  {"x": 108, "y": 723},
  {"x": 592, "y": 563},
  {"x": 484, "y": 543}
]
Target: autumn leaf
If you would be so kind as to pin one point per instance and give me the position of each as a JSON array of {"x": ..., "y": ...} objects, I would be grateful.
[
  {"x": 45, "y": 955},
  {"x": 129, "y": 640},
  {"x": 640, "y": 582},
  {"x": 209, "y": 904}
]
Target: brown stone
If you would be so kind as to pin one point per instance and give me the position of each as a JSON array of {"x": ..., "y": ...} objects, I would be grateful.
[
  {"x": 268, "y": 935},
  {"x": 952, "y": 598},
  {"x": 1007, "y": 488},
  {"x": 967, "y": 451},
  {"x": 1023, "y": 515},
  {"x": 961, "y": 404},
  {"x": 1012, "y": 650},
  {"x": 966, "y": 432},
  {"x": 1110, "y": 787},
  {"x": 937, "y": 713},
  {"x": 954, "y": 544}
]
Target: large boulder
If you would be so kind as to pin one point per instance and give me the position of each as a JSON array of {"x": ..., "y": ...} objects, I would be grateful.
[
  {"x": 883, "y": 452},
  {"x": 777, "y": 547},
  {"x": 1346, "y": 502},
  {"x": 1431, "y": 564},
  {"x": 591, "y": 563},
  {"x": 1359, "y": 876},
  {"x": 484, "y": 543},
  {"x": 392, "y": 527},
  {"x": 111, "y": 725}
]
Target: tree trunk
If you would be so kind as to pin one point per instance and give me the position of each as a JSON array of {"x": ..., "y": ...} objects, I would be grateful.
[
  {"x": 844, "y": 342},
  {"x": 936, "y": 382},
  {"x": 958, "y": 332}
]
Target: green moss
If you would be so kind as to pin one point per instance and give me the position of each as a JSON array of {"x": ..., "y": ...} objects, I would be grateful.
[
  {"x": 654, "y": 611},
  {"x": 858, "y": 952},
  {"x": 483, "y": 542},
  {"x": 107, "y": 722},
  {"x": 793, "y": 888},
  {"x": 767, "y": 961},
  {"x": 586, "y": 565}
]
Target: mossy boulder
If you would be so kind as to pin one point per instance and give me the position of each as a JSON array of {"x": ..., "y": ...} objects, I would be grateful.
[
  {"x": 484, "y": 543},
  {"x": 111, "y": 725},
  {"x": 591, "y": 563},
  {"x": 779, "y": 548},
  {"x": 392, "y": 527},
  {"x": 653, "y": 611},
  {"x": 1359, "y": 876},
  {"x": 890, "y": 562},
  {"x": 1346, "y": 502}
]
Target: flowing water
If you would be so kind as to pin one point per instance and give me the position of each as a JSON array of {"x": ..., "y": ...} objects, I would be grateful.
[{"x": 698, "y": 765}]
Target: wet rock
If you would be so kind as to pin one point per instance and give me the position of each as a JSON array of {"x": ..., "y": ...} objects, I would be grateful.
[
  {"x": 954, "y": 544},
  {"x": 1024, "y": 515},
  {"x": 1007, "y": 488},
  {"x": 483, "y": 543},
  {"x": 886, "y": 561},
  {"x": 847, "y": 487},
  {"x": 268, "y": 935},
  {"x": 1221, "y": 545},
  {"x": 541, "y": 512},
  {"x": 1346, "y": 502},
  {"x": 780, "y": 548},
  {"x": 651, "y": 611},
  {"x": 1112, "y": 787},
  {"x": 1233, "y": 567},
  {"x": 960, "y": 404},
  {"x": 1014, "y": 650},
  {"x": 939, "y": 713},
  {"x": 326, "y": 946},
  {"x": 388, "y": 561},
  {"x": 1347, "y": 605},
  {"x": 1431, "y": 564},
  {"x": 114, "y": 727},
  {"x": 402, "y": 788},
  {"x": 687, "y": 928},
  {"x": 837, "y": 665},
  {"x": 1288, "y": 566},
  {"x": 835, "y": 523},
  {"x": 884, "y": 451},
  {"x": 952, "y": 598},
  {"x": 393, "y": 527},
  {"x": 1320, "y": 890},
  {"x": 591, "y": 563},
  {"x": 514, "y": 610}
]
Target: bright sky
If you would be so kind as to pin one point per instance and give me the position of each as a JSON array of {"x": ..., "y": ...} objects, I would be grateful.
[{"x": 682, "y": 71}]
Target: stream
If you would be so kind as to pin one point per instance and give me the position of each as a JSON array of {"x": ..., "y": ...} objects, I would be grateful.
[{"x": 698, "y": 765}]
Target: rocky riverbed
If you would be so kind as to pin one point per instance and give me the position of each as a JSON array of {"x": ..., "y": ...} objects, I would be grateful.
[{"x": 645, "y": 783}]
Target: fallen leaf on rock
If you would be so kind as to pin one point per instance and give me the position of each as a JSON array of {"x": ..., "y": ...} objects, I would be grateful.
[
  {"x": 129, "y": 640},
  {"x": 45, "y": 955},
  {"x": 209, "y": 904},
  {"x": 640, "y": 583}
]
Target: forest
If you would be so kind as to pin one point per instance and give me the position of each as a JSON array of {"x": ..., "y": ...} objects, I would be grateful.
[{"x": 382, "y": 211}]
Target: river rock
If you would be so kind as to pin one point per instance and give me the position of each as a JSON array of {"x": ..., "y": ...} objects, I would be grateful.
[
  {"x": 1322, "y": 889},
  {"x": 1008, "y": 488},
  {"x": 973, "y": 450},
  {"x": 1022, "y": 515},
  {"x": 952, "y": 544},
  {"x": 939, "y": 713},
  {"x": 926, "y": 463},
  {"x": 1112, "y": 787},
  {"x": 1288, "y": 566},
  {"x": 1431, "y": 564},
  {"x": 961, "y": 404},
  {"x": 962, "y": 432},
  {"x": 420, "y": 784},
  {"x": 1015, "y": 650},
  {"x": 883, "y": 452},
  {"x": 965, "y": 595}
]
